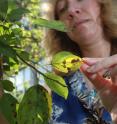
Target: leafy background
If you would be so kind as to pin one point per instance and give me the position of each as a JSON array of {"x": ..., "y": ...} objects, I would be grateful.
[{"x": 21, "y": 34}]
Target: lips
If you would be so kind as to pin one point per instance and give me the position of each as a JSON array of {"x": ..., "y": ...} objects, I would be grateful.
[{"x": 78, "y": 23}]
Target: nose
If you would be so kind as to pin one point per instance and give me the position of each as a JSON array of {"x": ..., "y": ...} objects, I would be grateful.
[{"x": 72, "y": 13}]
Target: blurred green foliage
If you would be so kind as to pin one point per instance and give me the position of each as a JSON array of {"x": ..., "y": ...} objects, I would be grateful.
[{"x": 20, "y": 45}]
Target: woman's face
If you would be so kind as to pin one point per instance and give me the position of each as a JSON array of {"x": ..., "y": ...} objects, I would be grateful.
[{"x": 82, "y": 17}]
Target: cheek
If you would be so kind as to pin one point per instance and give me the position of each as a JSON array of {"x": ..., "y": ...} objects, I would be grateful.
[
  {"x": 96, "y": 12},
  {"x": 93, "y": 9}
]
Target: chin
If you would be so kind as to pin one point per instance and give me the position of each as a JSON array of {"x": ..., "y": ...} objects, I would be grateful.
[
  {"x": 84, "y": 40},
  {"x": 87, "y": 35},
  {"x": 83, "y": 35}
]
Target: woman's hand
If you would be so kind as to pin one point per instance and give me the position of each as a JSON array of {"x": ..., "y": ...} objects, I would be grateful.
[
  {"x": 103, "y": 66},
  {"x": 98, "y": 70}
]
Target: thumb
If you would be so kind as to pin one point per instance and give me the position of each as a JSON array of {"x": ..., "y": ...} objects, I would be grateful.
[{"x": 97, "y": 80}]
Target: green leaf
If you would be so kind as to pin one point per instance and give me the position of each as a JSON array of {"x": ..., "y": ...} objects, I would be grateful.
[
  {"x": 57, "y": 25},
  {"x": 17, "y": 31},
  {"x": 1, "y": 29},
  {"x": 66, "y": 62},
  {"x": 24, "y": 55},
  {"x": 8, "y": 107},
  {"x": 3, "y": 8},
  {"x": 16, "y": 14},
  {"x": 12, "y": 5},
  {"x": 57, "y": 84},
  {"x": 7, "y": 51},
  {"x": 7, "y": 85},
  {"x": 35, "y": 107}
]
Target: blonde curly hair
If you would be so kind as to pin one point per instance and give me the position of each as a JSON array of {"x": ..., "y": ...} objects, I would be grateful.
[{"x": 56, "y": 41}]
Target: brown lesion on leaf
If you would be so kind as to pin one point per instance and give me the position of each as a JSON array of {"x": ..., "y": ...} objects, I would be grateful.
[
  {"x": 64, "y": 66},
  {"x": 69, "y": 69},
  {"x": 75, "y": 60},
  {"x": 64, "y": 62}
]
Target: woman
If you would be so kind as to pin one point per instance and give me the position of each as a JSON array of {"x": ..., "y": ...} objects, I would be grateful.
[{"x": 92, "y": 33}]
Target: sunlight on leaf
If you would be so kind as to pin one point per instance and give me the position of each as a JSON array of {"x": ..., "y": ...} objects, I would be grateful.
[
  {"x": 57, "y": 84},
  {"x": 66, "y": 62},
  {"x": 57, "y": 25},
  {"x": 38, "y": 116}
]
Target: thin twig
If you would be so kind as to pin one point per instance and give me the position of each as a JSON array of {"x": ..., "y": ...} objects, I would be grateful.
[{"x": 38, "y": 70}]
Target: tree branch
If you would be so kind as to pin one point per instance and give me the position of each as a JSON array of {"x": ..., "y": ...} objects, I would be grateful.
[{"x": 38, "y": 70}]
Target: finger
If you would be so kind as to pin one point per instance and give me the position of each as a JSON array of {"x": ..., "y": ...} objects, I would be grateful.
[
  {"x": 83, "y": 69},
  {"x": 109, "y": 74},
  {"x": 98, "y": 81},
  {"x": 97, "y": 78},
  {"x": 91, "y": 61},
  {"x": 105, "y": 73},
  {"x": 84, "y": 66},
  {"x": 104, "y": 64}
]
